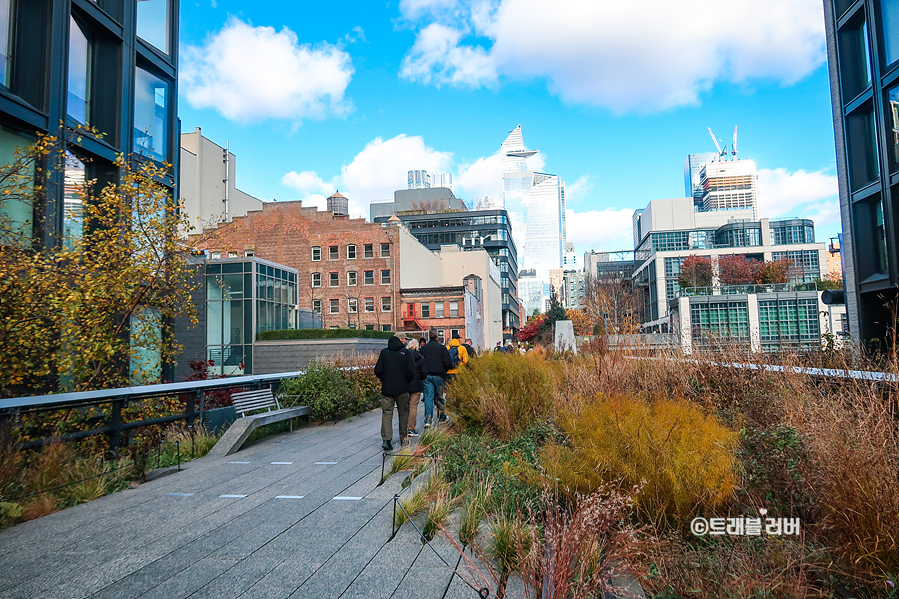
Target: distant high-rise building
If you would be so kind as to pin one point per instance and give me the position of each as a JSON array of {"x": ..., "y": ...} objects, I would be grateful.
[
  {"x": 418, "y": 179},
  {"x": 443, "y": 180},
  {"x": 730, "y": 185},
  {"x": 535, "y": 202},
  {"x": 569, "y": 259},
  {"x": 692, "y": 167}
]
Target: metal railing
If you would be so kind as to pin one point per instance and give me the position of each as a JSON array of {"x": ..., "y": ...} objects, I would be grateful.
[
  {"x": 192, "y": 392},
  {"x": 746, "y": 289}
]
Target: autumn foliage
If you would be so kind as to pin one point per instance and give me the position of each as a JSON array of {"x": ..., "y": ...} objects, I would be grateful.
[{"x": 85, "y": 312}]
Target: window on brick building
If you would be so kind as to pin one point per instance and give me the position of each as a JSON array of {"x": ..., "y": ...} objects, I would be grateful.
[
  {"x": 368, "y": 277},
  {"x": 335, "y": 306},
  {"x": 438, "y": 310},
  {"x": 351, "y": 252},
  {"x": 385, "y": 304},
  {"x": 353, "y": 327},
  {"x": 426, "y": 310},
  {"x": 351, "y": 278},
  {"x": 369, "y": 327},
  {"x": 333, "y": 327},
  {"x": 454, "y": 309},
  {"x": 317, "y": 306},
  {"x": 316, "y": 253},
  {"x": 385, "y": 250},
  {"x": 369, "y": 304},
  {"x": 333, "y": 252},
  {"x": 352, "y": 305},
  {"x": 216, "y": 255},
  {"x": 368, "y": 250},
  {"x": 454, "y": 332},
  {"x": 385, "y": 327},
  {"x": 385, "y": 277},
  {"x": 316, "y": 279},
  {"x": 441, "y": 335},
  {"x": 334, "y": 279}
]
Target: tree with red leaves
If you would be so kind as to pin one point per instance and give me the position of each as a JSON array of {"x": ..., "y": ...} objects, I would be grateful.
[
  {"x": 696, "y": 271},
  {"x": 737, "y": 270}
]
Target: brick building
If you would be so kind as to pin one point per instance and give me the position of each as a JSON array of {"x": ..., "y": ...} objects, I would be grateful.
[{"x": 349, "y": 269}]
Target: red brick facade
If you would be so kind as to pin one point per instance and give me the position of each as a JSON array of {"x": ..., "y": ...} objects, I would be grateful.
[
  {"x": 287, "y": 233},
  {"x": 424, "y": 309}
]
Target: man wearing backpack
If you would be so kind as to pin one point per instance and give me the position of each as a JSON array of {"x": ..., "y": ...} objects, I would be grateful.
[
  {"x": 438, "y": 361},
  {"x": 458, "y": 356}
]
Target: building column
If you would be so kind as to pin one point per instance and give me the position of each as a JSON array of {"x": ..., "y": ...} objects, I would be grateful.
[{"x": 755, "y": 331}]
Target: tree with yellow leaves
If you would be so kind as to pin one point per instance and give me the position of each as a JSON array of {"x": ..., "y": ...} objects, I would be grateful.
[{"x": 95, "y": 311}]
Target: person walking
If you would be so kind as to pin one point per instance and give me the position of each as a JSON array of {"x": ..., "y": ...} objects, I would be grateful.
[
  {"x": 395, "y": 369},
  {"x": 459, "y": 359},
  {"x": 471, "y": 352},
  {"x": 416, "y": 386},
  {"x": 437, "y": 358}
]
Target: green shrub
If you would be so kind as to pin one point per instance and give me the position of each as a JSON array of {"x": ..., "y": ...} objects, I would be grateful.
[
  {"x": 504, "y": 393},
  {"x": 681, "y": 457},
  {"x": 324, "y": 389},
  {"x": 286, "y": 334}
]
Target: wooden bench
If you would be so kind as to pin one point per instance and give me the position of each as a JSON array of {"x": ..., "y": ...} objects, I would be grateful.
[{"x": 245, "y": 403}]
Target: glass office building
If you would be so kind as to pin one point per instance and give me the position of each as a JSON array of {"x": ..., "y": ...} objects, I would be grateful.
[
  {"x": 863, "y": 59},
  {"x": 66, "y": 65},
  {"x": 536, "y": 206}
]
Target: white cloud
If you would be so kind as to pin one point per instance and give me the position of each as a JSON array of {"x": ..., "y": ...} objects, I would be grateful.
[
  {"x": 602, "y": 230},
  {"x": 785, "y": 193},
  {"x": 608, "y": 54},
  {"x": 315, "y": 190},
  {"x": 481, "y": 179},
  {"x": 577, "y": 191},
  {"x": 251, "y": 73}
]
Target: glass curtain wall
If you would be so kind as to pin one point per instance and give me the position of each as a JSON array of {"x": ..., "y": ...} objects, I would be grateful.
[
  {"x": 153, "y": 23},
  {"x": 78, "y": 101},
  {"x": 150, "y": 115},
  {"x": 789, "y": 322}
]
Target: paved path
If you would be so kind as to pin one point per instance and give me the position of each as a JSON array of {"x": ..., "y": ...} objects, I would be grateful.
[{"x": 183, "y": 536}]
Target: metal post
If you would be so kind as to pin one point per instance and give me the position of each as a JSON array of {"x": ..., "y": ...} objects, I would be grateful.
[
  {"x": 396, "y": 498},
  {"x": 116, "y": 423},
  {"x": 178, "y": 453}
]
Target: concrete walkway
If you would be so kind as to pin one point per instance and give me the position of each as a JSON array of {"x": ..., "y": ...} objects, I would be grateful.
[{"x": 294, "y": 515}]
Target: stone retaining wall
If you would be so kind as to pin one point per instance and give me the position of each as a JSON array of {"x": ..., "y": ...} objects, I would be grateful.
[{"x": 284, "y": 356}]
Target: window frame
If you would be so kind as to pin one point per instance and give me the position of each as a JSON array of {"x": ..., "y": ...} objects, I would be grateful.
[
  {"x": 351, "y": 255},
  {"x": 352, "y": 278},
  {"x": 388, "y": 301},
  {"x": 332, "y": 304},
  {"x": 368, "y": 250},
  {"x": 352, "y": 305},
  {"x": 333, "y": 252},
  {"x": 387, "y": 271},
  {"x": 369, "y": 302},
  {"x": 318, "y": 249},
  {"x": 333, "y": 279},
  {"x": 385, "y": 250},
  {"x": 365, "y": 277},
  {"x": 316, "y": 278}
]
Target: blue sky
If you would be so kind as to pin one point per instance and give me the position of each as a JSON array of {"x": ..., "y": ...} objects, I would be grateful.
[{"x": 320, "y": 96}]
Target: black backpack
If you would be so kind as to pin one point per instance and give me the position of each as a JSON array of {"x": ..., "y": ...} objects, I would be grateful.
[{"x": 454, "y": 357}]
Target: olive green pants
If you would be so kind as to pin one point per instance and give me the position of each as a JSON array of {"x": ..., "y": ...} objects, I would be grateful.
[{"x": 402, "y": 408}]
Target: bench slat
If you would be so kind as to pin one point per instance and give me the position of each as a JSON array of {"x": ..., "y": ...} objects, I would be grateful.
[{"x": 254, "y": 400}]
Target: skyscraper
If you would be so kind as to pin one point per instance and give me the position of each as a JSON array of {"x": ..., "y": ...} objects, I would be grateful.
[
  {"x": 863, "y": 59},
  {"x": 692, "y": 167},
  {"x": 729, "y": 185},
  {"x": 535, "y": 202}
]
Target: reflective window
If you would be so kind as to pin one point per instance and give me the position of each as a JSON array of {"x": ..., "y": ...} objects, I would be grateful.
[
  {"x": 150, "y": 115},
  {"x": 351, "y": 278},
  {"x": 892, "y": 107},
  {"x": 352, "y": 305},
  {"x": 153, "y": 22},
  {"x": 870, "y": 237},
  {"x": 385, "y": 304},
  {"x": 73, "y": 213},
  {"x": 385, "y": 277},
  {"x": 864, "y": 165},
  {"x": 15, "y": 209},
  {"x": 369, "y": 277},
  {"x": 317, "y": 306},
  {"x": 889, "y": 20},
  {"x": 5, "y": 41},
  {"x": 855, "y": 62},
  {"x": 78, "y": 102},
  {"x": 369, "y": 304}
]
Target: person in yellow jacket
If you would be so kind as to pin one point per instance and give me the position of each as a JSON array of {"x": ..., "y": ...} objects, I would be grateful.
[
  {"x": 458, "y": 356},
  {"x": 459, "y": 359}
]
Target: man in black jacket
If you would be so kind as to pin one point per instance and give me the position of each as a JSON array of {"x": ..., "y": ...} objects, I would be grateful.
[
  {"x": 438, "y": 360},
  {"x": 396, "y": 369}
]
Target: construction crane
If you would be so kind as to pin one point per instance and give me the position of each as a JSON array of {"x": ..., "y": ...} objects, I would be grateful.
[
  {"x": 721, "y": 153},
  {"x": 733, "y": 148}
]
